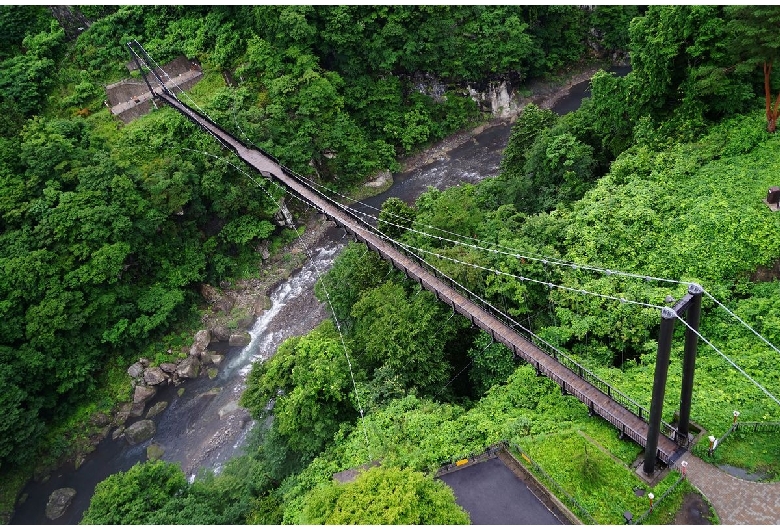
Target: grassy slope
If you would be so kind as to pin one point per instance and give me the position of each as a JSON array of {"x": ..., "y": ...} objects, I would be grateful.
[{"x": 696, "y": 213}]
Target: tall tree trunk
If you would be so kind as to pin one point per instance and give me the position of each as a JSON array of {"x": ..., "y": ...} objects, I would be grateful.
[{"x": 772, "y": 112}]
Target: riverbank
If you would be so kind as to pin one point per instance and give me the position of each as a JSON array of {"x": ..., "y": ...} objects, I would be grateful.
[{"x": 544, "y": 94}]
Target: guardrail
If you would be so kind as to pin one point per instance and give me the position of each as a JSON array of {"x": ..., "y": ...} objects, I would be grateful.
[
  {"x": 572, "y": 502},
  {"x": 751, "y": 426},
  {"x": 512, "y": 448}
]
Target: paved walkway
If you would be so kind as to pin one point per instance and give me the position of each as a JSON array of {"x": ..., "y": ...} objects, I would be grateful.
[
  {"x": 735, "y": 501},
  {"x": 492, "y": 494}
]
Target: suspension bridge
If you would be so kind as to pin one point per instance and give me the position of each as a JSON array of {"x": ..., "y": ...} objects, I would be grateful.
[{"x": 664, "y": 442}]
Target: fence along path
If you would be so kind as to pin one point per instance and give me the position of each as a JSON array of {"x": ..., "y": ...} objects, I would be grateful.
[{"x": 598, "y": 402}]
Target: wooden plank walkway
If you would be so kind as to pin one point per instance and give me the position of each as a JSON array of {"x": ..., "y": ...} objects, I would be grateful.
[{"x": 628, "y": 423}]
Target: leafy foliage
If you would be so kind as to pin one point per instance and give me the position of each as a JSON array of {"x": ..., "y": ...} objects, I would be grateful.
[
  {"x": 384, "y": 496},
  {"x": 308, "y": 382},
  {"x": 493, "y": 364},
  {"x": 134, "y": 496},
  {"x": 405, "y": 333},
  {"x": 158, "y": 493}
]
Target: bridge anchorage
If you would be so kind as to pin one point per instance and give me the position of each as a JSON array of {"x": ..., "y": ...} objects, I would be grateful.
[{"x": 660, "y": 440}]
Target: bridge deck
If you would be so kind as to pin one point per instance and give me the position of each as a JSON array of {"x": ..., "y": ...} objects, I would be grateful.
[{"x": 597, "y": 401}]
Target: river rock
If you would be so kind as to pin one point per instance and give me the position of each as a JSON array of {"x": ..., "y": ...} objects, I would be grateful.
[
  {"x": 142, "y": 394},
  {"x": 202, "y": 339},
  {"x": 205, "y": 358},
  {"x": 118, "y": 432},
  {"x": 59, "y": 501},
  {"x": 136, "y": 370},
  {"x": 382, "y": 178},
  {"x": 122, "y": 414},
  {"x": 168, "y": 368},
  {"x": 263, "y": 250},
  {"x": 246, "y": 322},
  {"x": 220, "y": 333},
  {"x": 216, "y": 359},
  {"x": 137, "y": 410},
  {"x": 155, "y": 452},
  {"x": 155, "y": 376},
  {"x": 262, "y": 304},
  {"x": 140, "y": 431},
  {"x": 240, "y": 339},
  {"x": 188, "y": 368},
  {"x": 155, "y": 409}
]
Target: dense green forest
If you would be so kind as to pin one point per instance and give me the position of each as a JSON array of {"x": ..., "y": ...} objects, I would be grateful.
[{"x": 107, "y": 231}]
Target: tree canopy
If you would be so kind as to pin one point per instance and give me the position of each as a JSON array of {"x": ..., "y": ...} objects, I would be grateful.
[{"x": 384, "y": 496}]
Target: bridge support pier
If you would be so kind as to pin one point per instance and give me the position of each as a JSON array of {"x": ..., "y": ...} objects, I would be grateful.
[
  {"x": 689, "y": 361},
  {"x": 668, "y": 318},
  {"x": 691, "y": 305}
]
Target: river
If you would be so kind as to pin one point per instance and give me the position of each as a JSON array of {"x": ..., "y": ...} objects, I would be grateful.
[{"x": 203, "y": 428}]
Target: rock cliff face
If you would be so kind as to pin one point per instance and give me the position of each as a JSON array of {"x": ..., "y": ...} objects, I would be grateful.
[
  {"x": 72, "y": 21},
  {"x": 499, "y": 99}
]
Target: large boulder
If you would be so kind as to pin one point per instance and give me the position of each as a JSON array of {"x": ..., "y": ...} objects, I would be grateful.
[
  {"x": 240, "y": 339},
  {"x": 225, "y": 303},
  {"x": 100, "y": 419},
  {"x": 155, "y": 409},
  {"x": 136, "y": 370},
  {"x": 205, "y": 358},
  {"x": 142, "y": 394},
  {"x": 59, "y": 501},
  {"x": 202, "y": 339},
  {"x": 168, "y": 368},
  {"x": 155, "y": 376},
  {"x": 137, "y": 410},
  {"x": 118, "y": 432},
  {"x": 220, "y": 333},
  {"x": 261, "y": 305},
  {"x": 209, "y": 293},
  {"x": 155, "y": 452},
  {"x": 188, "y": 368},
  {"x": 122, "y": 414},
  {"x": 140, "y": 431}
]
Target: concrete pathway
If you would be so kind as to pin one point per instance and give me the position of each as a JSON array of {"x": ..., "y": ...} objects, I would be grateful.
[
  {"x": 182, "y": 80},
  {"x": 735, "y": 501}
]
